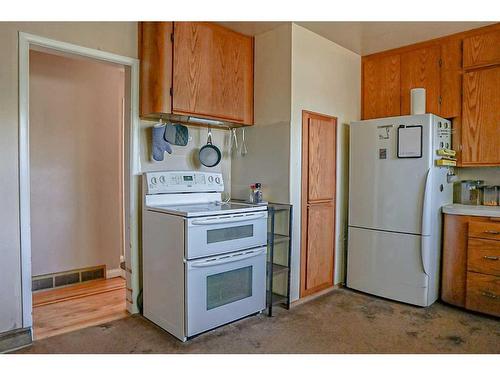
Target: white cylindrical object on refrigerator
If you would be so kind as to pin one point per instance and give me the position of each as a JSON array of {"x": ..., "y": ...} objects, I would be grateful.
[{"x": 417, "y": 101}]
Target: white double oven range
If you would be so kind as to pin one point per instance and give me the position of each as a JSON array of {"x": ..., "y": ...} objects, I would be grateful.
[{"x": 204, "y": 261}]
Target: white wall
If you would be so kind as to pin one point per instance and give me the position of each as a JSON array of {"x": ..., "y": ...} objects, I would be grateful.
[
  {"x": 186, "y": 157},
  {"x": 326, "y": 78},
  {"x": 268, "y": 141},
  {"x": 295, "y": 70},
  {"x": 490, "y": 175},
  {"x": 76, "y": 131},
  {"x": 116, "y": 37}
]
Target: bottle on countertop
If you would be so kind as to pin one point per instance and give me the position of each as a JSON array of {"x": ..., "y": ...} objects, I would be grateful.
[
  {"x": 251, "y": 197},
  {"x": 257, "y": 193}
]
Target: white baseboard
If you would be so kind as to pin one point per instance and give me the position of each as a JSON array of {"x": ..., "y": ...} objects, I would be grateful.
[{"x": 117, "y": 272}]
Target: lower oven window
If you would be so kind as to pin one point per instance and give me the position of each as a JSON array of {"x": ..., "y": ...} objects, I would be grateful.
[
  {"x": 228, "y": 287},
  {"x": 230, "y": 233}
]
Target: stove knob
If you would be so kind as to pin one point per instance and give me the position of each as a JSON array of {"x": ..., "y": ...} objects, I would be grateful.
[
  {"x": 210, "y": 179},
  {"x": 153, "y": 180},
  {"x": 217, "y": 180}
]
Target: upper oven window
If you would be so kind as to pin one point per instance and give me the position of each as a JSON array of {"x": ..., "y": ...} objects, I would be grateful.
[{"x": 230, "y": 233}]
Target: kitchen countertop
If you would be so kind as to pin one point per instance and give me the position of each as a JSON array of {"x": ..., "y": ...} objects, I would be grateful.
[{"x": 469, "y": 210}]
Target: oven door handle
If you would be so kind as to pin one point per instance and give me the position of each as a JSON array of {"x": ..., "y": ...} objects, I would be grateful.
[
  {"x": 226, "y": 220},
  {"x": 228, "y": 259}
]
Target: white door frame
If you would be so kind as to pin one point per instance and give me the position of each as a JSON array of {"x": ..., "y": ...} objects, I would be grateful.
[{"x": 25, "y": 42}]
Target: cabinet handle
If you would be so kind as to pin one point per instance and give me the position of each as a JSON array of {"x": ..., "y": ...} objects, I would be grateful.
[
  {"x": 490, "y": 257},
  {"x": 489, "y": 295},
  {"x": 491, "y": 232}
]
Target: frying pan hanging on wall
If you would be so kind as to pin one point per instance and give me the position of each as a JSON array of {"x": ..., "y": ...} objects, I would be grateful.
[{"x": 210, "y": 154}]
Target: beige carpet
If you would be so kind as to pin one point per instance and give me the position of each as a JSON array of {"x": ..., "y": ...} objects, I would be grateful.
[{"x": 342, "y": 321}]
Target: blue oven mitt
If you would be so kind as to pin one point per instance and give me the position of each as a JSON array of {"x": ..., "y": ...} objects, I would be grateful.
[{"x": 160, "y": 145}]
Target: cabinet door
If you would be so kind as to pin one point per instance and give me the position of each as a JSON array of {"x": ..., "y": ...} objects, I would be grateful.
[
  {"x": 320, "y": 247},
  {"x": 481, "y": 50},
  {"x": 483, "y": 292},
  {"x": 155, "y": 53},
  {"x": 454, "y": 268},
  {"x": 318, "y": 202},
  {"x": 420, "y": 68},
  {"x": 481, "y": 118},
  {"x": 451, "y": 79},
  {"x": 381, "y": 90},
  {"x": 321, "y": 163},
  {"x": 213, "y": 72}
]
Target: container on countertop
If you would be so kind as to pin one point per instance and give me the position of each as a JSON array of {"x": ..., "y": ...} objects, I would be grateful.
[
  {"x": 467, "y": 192},
  {"x": 491, "y": 195}
]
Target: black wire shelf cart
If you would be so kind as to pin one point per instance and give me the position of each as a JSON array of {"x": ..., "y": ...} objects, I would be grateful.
[{"x": 279, "y": 246}]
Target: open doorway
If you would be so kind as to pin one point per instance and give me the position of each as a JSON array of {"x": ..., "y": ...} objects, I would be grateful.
[
  {"x": 64, "y": 203},
  {"x": 76, "y": 110}
]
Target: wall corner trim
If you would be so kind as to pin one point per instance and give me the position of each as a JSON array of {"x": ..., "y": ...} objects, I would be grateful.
[{"x": 15, "y": 339}]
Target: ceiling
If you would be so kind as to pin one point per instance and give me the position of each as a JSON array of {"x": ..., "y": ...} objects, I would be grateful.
[{"x": 366, "y": 38}]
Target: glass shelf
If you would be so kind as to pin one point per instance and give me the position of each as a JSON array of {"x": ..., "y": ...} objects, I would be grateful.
[
  {"x": 278, "y": 268},
  {"x": 279, "y": 206},
  {"x": 278, "y": 238},
  {"x": 280, "y": 233},
  {"x": 277, "y": 298}
]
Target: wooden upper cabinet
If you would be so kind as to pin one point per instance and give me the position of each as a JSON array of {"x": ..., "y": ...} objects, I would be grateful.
[
  {"x": 420, "y": 68},
  {"x": 460, "y": 75},
  {"x": 155, "y": 54},
  {"x": 481, "y": 117},
  {"x": 195, "y": 69},
  {"x": 212, "y": 72},
  {"x": 451, "y": 79},
  {"x": 482, "y": 50},
  {"x": 381, "y": 87}
]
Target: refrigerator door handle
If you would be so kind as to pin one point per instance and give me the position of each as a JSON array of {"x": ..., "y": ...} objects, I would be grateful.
[{"x": 426, "y": 223}]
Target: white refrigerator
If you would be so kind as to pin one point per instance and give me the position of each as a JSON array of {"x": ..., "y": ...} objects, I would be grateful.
[{"x": 396, "y": 192}]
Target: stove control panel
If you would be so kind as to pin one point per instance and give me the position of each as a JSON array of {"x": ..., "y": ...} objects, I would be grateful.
[{"x": 183, "y": 182}]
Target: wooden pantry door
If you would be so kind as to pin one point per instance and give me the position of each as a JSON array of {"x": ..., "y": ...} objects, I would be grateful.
[{"x": 318, "y": 202}]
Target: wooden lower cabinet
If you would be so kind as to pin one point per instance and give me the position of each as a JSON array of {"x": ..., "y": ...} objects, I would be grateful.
[
  {"x": 483, "y": 293},
  {"x": 471, "y": 263},
  {"x": 483, "y": 256},
  {"x": 320, "y": 246},
  {"x": 454, "y": 273}
]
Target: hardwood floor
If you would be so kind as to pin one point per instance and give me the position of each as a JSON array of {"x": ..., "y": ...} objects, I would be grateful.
[{"x": 74, "y": 307}]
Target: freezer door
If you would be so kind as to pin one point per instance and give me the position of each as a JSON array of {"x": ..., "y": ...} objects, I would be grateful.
[
  {"x": 387, "y": 192},
  {"x": 387, "y": 265}
]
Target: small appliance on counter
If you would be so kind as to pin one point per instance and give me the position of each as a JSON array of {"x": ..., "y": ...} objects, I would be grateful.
[{"x": 467, "y": 192}]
